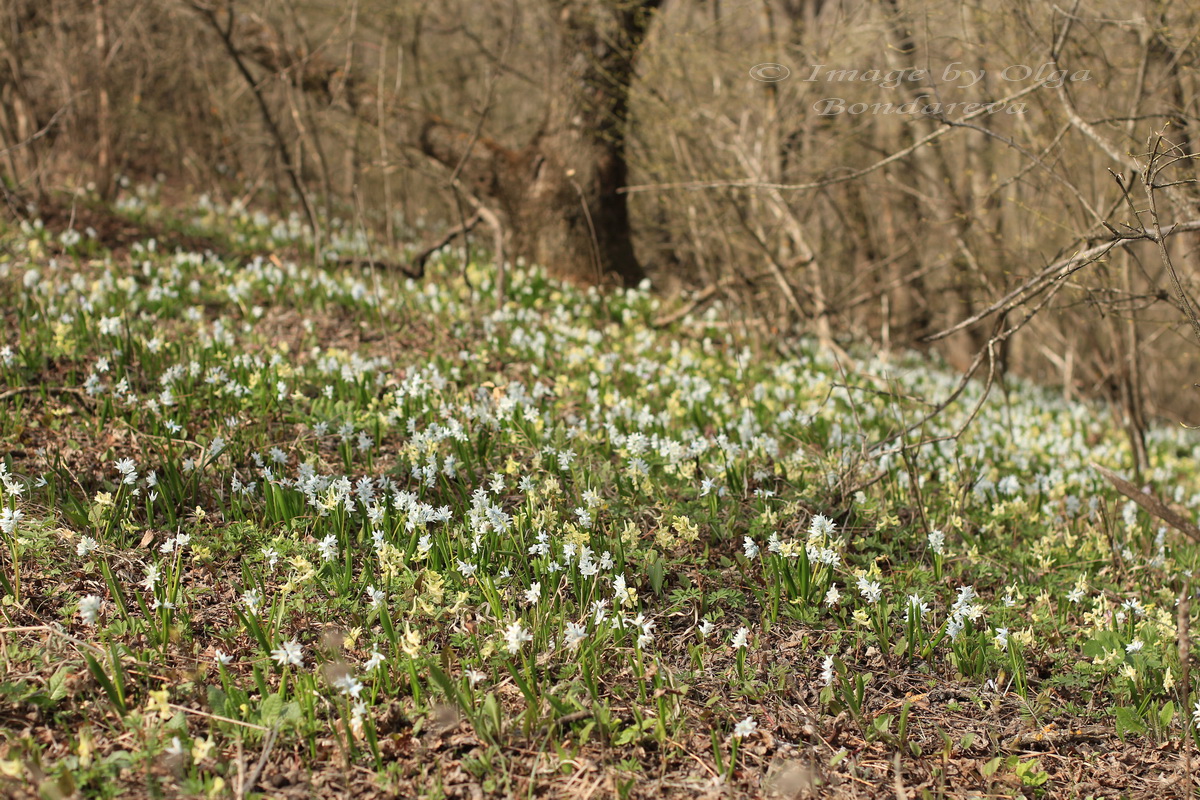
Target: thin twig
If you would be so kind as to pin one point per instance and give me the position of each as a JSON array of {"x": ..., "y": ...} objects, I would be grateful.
[
  {"x": 700, "y": 299},
  {"x": 45, "y": 129},
  {"x": 226, "y": 36},
  {"x": 252, "y": 781},
  {"x": 1148, "y": 176},
  {"x": 418, "y": 267},
  {"x": 1153, "y": 505},
  {"x": 47, "y": 389},
  {"x": 198, "y": 713},
  {"x": 1060, "y": 270},
  {"x": 1185, "y": 645}
]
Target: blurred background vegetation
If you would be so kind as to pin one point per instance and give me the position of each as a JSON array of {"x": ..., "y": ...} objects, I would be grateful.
[{"x": 613, "y": 140}]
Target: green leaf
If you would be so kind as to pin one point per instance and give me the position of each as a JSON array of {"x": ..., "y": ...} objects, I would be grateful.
[
  {"x": 217, "y": 700},
  {"x": 656, "y": 574},
  {"x": 447, "y": 686},
  {"x": 1166, "y": 714},
  {"x": 626, "y": 736},
  {"x": 271, "y": 709},
  {"x": 1031, "y": 773},
  {"x": 57, "y": 685},
  {"x": 1128, "y": 721},
  {"x": 562, "y": 708},
  {"x": 107, "y": 685}
]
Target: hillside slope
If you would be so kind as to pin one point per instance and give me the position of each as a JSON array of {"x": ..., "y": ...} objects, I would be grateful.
[{"x": 312, "y": 531}]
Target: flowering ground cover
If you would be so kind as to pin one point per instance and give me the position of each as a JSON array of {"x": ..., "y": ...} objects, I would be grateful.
[{"x": 296, "y": 531}]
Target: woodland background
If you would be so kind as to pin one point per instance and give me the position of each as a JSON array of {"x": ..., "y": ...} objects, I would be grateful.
[{"x": 612, "y": 140}]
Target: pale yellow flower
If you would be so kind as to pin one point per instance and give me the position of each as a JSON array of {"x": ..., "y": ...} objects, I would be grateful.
[{"x": 412, "y": 642}]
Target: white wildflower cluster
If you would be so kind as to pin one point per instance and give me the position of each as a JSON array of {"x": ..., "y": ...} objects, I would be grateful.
[
  {"x": 289, "y": 653},
  {"x": 871, "y": 591},
  {"x": 516, "y": 490},
  {"x": 965, "y": 608},
  {"x": 9, "y": 519},
  {"x": 821, "y": 546}
]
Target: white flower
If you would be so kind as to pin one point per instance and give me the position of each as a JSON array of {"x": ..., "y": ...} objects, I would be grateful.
[
  {"x": 1134, "y": 605},
  {"x": 151, "y": 579},
  {"x": 574, "y": 634},
  {"x": 937, "y": 542},
  {"x": 348, "y": 684},
  {"x": 376, "y": 596},
  {"x": 1002, "y": 638},
  {"x": 966, "y": 594},
  {"x": 328, "y": 547},
  {"x": 645, "y": 638},
  {"x": 745, "y": 728},
  {"x": 705, "y": 628},
  {"x": 9, "y": 518},
  {"x": 739, "y": 638},
  {"x": 832, "y": 596},
  {"x": 515, "y": 636},
  {"x": 916, "y": 605},
  {"x": 221, "y": 657},
  {"x": 533, "y": 593},
  {"x": 827, "y": 671},
  {"x": 871, "y": 590},
  {"x": 749, "y": 547},
  {"x": 821, "y": 526},
  {"x": 89, "y": 609},
  {"x": 86, "y": 545},
  {"x": 289, "y": 652},
  {"x": 374, "y": 661},
  {"x": 252, "y": 599},
  {"x": 474, "y": 676},
  {"x": 125, "y": 466},
  {"x": 1134, "y": 646}
]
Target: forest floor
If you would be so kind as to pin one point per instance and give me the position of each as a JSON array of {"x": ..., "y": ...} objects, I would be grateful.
[{"x": 280, "y": 530}]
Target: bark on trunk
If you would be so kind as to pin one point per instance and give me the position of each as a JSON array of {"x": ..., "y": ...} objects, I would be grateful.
[{"x": 560, "y": 193}]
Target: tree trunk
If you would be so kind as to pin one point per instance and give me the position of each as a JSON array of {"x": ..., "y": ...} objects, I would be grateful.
[{"x": 560, "y": 192}]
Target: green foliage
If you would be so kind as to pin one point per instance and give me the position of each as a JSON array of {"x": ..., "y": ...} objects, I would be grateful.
[{"x": 338, "y": 509}]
